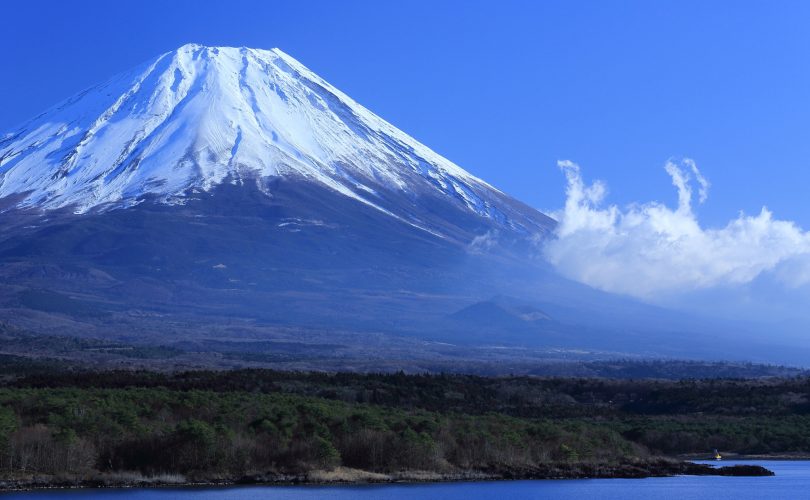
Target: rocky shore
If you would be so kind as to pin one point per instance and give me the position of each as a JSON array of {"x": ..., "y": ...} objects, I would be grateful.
[{"x": 345, "y": 475}]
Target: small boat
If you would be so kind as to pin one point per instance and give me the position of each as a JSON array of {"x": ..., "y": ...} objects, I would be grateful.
[{"x": 717, "y": 455}]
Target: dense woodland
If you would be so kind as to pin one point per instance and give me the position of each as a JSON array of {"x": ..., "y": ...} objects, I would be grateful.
[
  {"x": 159, "y": 430},
  {"x": 259, "y": 422}
]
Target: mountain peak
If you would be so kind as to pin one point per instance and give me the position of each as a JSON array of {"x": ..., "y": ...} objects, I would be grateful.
[
  {"x": 194, "y": 46},
  {"x": 199, "y": 116}
]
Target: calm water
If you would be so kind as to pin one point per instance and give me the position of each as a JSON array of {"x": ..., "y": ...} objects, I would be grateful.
[{"x": 792, "y": 481}]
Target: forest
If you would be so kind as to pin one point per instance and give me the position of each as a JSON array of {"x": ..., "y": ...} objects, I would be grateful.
[{"x": 68, "y": 425}]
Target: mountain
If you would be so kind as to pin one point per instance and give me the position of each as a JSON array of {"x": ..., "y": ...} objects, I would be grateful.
[
  {"x": 220, "y": 194},
  {"x": 229, "y": 202},
  {"x": 199, "y": 117},
  {"x": 500, "y": 312}
]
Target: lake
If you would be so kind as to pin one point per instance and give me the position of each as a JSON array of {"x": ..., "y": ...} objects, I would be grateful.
[{"x": 792, "y": 481}]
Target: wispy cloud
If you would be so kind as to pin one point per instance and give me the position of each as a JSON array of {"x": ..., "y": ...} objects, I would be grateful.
[
  {"x": 650, "y": 250},
  {"x": 483, "y": 243}
]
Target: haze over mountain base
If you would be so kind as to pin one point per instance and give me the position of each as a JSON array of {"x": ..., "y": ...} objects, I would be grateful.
[{"x": 304, "y": 279}]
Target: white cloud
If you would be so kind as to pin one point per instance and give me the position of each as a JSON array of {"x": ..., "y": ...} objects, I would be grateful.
[
  {"x": 483, "y": 243},
  {"x": 651, "y": 251}
]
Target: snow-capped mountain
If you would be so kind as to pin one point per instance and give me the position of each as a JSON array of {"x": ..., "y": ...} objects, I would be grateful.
[
  {"x": 198, "y": 117},
  {"x": 212, "y": 189}
]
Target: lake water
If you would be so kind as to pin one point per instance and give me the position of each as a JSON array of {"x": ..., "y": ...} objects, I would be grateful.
[{"x": 792, "y": 481}]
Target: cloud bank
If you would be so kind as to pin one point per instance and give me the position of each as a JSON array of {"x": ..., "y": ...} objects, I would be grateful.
[{"x": 653, "y": 251}]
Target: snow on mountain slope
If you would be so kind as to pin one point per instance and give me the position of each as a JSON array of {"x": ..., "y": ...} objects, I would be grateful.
[{"x": 199, "y": 116}]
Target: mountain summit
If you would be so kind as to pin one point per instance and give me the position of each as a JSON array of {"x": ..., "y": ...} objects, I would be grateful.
[{"x": 199, "y": 117}]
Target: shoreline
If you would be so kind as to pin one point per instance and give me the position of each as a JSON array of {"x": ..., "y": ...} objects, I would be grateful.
[
  {"x": 734, "y": 457},
  {"x": 343, "y": 476}
]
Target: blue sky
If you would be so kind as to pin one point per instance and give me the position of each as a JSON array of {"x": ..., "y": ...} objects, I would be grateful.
[{"x": 504, "y": 89}]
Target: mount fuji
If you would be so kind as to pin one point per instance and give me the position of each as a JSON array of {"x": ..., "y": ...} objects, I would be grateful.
[
  {"x": 199, "y": 117},
  {"x": 230, "y": 202}
]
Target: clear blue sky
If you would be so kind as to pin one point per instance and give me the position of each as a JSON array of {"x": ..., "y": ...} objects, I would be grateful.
[{"x": 504, "y": 89}]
